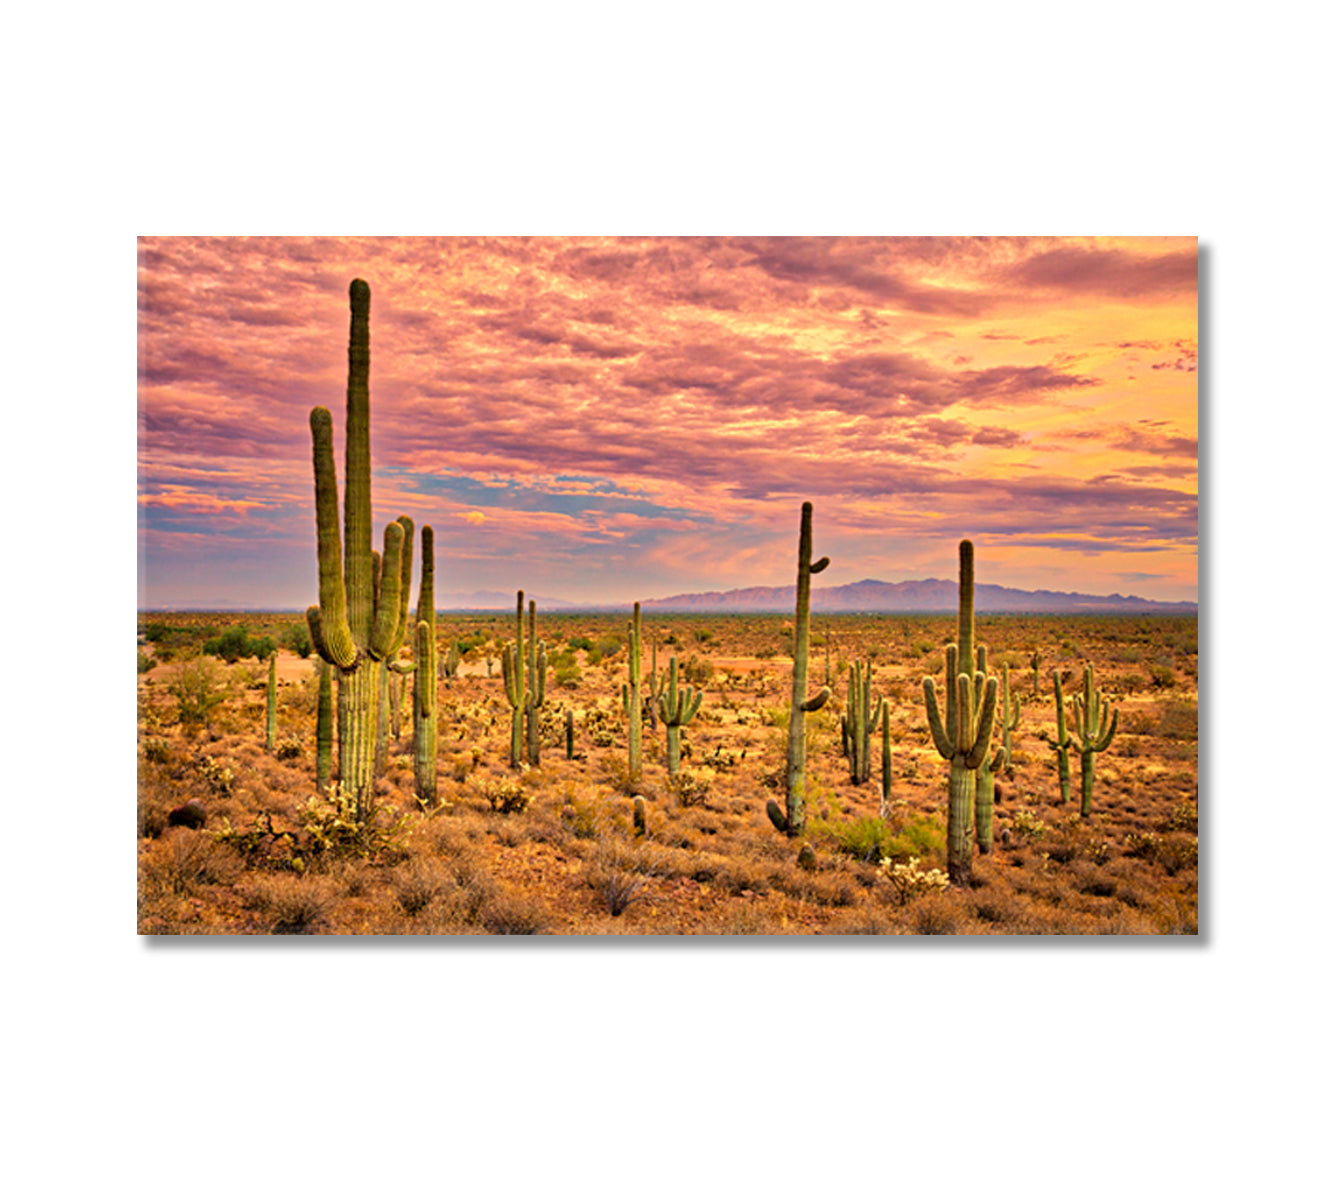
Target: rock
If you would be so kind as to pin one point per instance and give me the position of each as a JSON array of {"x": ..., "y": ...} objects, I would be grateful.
[{"x": 191, "y": 815}]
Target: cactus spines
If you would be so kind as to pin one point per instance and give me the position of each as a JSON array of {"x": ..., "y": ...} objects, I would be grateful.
[
  {"x": 324, "y": 730},
  {"x": 677, "y": 707},
  {"x": 356, "y": 620},
  {"x": 424, "y": 681},
  {"x": 861, "y": 721},
  {"x": 963, "y": 738},
  {"x": 793, "y": 821},
  {"x": 1095, "y": 726},
  {"x": 271, "y": 706},
  {"x": 632, "y": 697}
]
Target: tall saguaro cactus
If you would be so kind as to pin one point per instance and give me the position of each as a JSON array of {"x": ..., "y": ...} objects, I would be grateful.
[
  {"x": 424, "y": 680},
  {"x": 964, "y": 738},
  {"x": 511, "y": 667},
  {"x": 324, "y": 729},
  {"x": 1095, "y": 726},
  {"x": 678, "y": 707},
  {"x": 391, "y": 653},
  {"x": 355, "y": 623},
  {"x": 793, "y": 821},
  {"x": 537, "y": 686},
  {"x": 632, "y": 696}
]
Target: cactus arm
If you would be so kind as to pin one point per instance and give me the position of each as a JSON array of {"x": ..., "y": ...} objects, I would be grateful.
[
  {"x": 357, "y": 483},
  {"x": 965, "y": 638},
  {"x": 316, "y": 627},
  {"x": 817, "y": 567},
  {"x": 986, "y": 720},
  {"x": 952, "y": 729},
  {"x": 1106, "y": 740},
  {"x": 389, "y": 604},
  {"x": 337, "y": 634},
  {"x": 816, "y": 702},
  {"x": 945, "y": 745}
]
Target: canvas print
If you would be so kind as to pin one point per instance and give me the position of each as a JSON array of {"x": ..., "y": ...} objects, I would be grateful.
[{"x": 668, "y": 586}]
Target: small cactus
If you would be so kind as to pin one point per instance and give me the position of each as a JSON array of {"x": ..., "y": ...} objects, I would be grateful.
[
  {"x": 324, "y": 730},
  {"x": 1062, "y": 742},
  {"x": 632, "y": 697},
  {"x": 1009, "y": 715},
  {"x": 641, "y": 818},
  {"x": 537, "y": 686},
  {"x": 1035, "y": 661},
  {"x": 271, "y": 706},
  {"x": 511, "y": 668},
  {"x": 792, "y": 821},
  {"x": 861, "y": 721},
  {"x": 678, "y": 707},
  {"x": 1095, "y": 726},
  {"x": 886, "y": 770},
  {"x": 569, "y": 733}
]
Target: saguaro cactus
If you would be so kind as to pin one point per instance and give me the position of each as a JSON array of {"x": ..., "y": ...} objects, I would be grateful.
[
  {"x": 537, "y": 686},
  {"x": 271, "y": 706},
  {"x": 1009, "y": 715},
  {"x": 382, "y": 729},
  {"x": 677, "y": 707},
  {"x": 632, "y": 696},
  {"x": 964, "y": 738},
  {"x": 886, "y": 770},
  {"x": 424, "y": 680},
  {"x": 354, "y": 623},
  {"x": 1062, "y": 742},
  {"x": 511, "y": 667},
  {"x": 1035, "y": 661},
  {"x": 793, "y": 821},
  {"x": 861, "y": 721},
  {"x": 1095, "y": 726}
]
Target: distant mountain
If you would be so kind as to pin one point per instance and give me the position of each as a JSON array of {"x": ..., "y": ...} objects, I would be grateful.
[
  {"x": 498, "y": 601},
  {"x": 915, "y": 596}
]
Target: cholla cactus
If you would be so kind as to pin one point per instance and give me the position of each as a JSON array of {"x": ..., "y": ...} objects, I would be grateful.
[
  {"x": 793, "y": 821},
  {"x": 356, "y": 623},
  {"x": 909, "y": 881},
  {"x": 677, "y": 707}
]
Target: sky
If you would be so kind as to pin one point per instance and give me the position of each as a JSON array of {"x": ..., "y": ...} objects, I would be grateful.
[{"x": 603, "y": 420}]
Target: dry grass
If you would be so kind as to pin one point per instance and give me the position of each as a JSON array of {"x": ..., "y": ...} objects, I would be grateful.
[{"x": 553, "y": 850}]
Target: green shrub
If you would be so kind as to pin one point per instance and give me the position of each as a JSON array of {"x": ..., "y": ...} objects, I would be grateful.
[
  {"x": 235, "y": 643},
  {"x": 198, "y": 687}
]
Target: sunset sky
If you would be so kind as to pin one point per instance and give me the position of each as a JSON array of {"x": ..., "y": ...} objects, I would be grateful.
[{"x": 602, "y": 420}]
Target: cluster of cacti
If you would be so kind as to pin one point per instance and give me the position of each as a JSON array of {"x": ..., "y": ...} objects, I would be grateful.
[
  {"x": 1095, "y": 726},
  {"x": 964, "y": 737},
  {"x": 656, "y": 684},
  {"x": 359, "y": 616},
  {"x": 524, "y": 667},
  {"x": 271, "y": 706},
  {"x": 792, "y": 820},
  {"x": 424, "y": 677},
  {"x": 860, "y": 721},
  {"x": 678, "y": 707},
  {"x": 632, "y": 696}
]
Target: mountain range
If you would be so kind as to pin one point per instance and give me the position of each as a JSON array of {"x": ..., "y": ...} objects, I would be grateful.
[{"x": 867, "y": 595}]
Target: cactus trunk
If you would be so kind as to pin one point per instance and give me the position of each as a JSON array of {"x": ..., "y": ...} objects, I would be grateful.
[
  {"x": 569, "y": 733},
  {"x": 424, "y": 681},
  {"x": 959, "y": 834},
  {"x": 324, "y": 720},
  {"x": 271, "y": 706},
  {"x": 886, "y": 770},
  {"x": 793, "y": 820},
  {"x": 632, "y": 696}
]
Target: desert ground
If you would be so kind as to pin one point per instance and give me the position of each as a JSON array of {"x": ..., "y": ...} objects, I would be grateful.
[{"x": 555, "y": 848}]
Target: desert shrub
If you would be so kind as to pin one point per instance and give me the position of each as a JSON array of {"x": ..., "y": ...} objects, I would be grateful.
[
  {"x": 296, "y": 638},
  {"x": 236, "y": 643},
  {"x": 146, "y": 664},
  {"x": 921, "y": 647},
  {"x": 1180, "y": 722},
  {"x": 293, "y": 904},
  {"x": 220, "y": 776},
  {"x": 510, "y": 914},
  {"x": 1143, "y": 845},
  {"x": 697, "y": 671},
  {"x": 706, "y": 635},
  {"x": 1025, "y": 824},
  {"x": 934, "y": 914},
  {"x": 909, "y": 881},
  {"x": 506, "y": 795},
  {"x": 156, "y": 750},
  {"x": 416, "y": 884},
  {"x": 1184, "y": 817},
  {"x": 288, "y": 747},
  {"x": 606, "y": 645},
  {"x": 1161, "y": 675},
  {"x": 199, "y": 687},
  {"x": 183, "y": 859},
  {"x": 580, "y": 643},
  {"x": 330, "y": 827},
  {"x": 567, "y": 676},
  {"x": 620, "y": 873}
]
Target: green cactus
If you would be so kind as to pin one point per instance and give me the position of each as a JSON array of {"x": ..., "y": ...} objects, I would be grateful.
[
  {"x": 793, "y": 821},
  {"x": 1035, "y": 661},
  {"x": 355, "y": 623},
  {"x": 656, "y": 684},
  {"x": 964, "y": 738},
  {"x": 451, "y": 661},
  {"x": 1095, "y": 726},
  {"x": 569, "y": 733},
  {"x": 511, "y": 668},
  {"x": 1062, "y": 742},
  {"x": 861, "y": 721},
  {"x": 424, "y": 719},
  {"x": 678, "y": 707},
  {"x": 391, "y": 653},
  {"x": 271, "y": 706},
  {"x": 984, "y": 806},
  {"x": 324, "y": 730},
  {"x": 399, "y": 670},
  {"x": 537, "y": 686},
  {"x": 632, "y": 697},
  {"x": 886, "y": 769},
  {"x": 1009, "y": 715}
]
